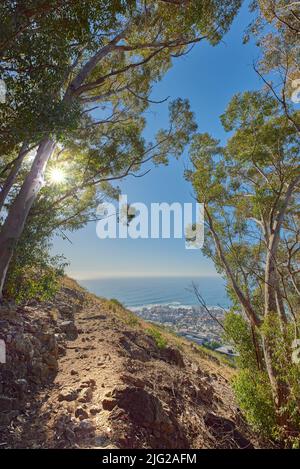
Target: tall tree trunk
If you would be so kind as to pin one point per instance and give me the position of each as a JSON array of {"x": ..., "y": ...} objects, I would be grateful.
[
  {"x": 249, "y": 310},
  {"x": 280, "y": 307},
  {"x": 271, "y": 280},
  {"x": 15, "y": 221},
  {"x": 271, "y": 276},
  {"x": 12, "y": 175},
  {"x": 259, "y": 358},
  {"x": 274, "y": 306},
  {"x": 279, "y": 388},
  {"x": 273, "y": 297}
]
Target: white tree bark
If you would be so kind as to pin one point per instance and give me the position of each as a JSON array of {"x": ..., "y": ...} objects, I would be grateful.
[
  {"x": 12, "y": 175},
  {"x": 16, "y": 218}
]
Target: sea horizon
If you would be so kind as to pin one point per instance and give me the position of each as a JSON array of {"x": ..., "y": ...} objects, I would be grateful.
[{"x": 135, "y": 292}]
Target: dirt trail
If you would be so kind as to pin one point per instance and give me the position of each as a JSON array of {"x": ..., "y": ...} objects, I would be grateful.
[{"x": 117, "y": 386}]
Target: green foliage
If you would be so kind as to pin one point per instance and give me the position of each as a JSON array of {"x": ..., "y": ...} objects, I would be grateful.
[
  {"x": 34, "y": 275},
  {"x": 39, "y": 41},
  {"x": 131, "y": 319},
  {"x": 125, "y": 315},
  {"x": 288, "y": 372},
  {"x": 43, "y": 44},
  {"x": 238, "y": 333},
  {"x": 160, "y": 340},
  {"x": 253, "y": 393},
  {"x": 251, "y": 384},
  {"x": 276, "y": 27},
  {"x": 248, "y": 110},
  {"x": 212, "y": 344},
  {"x": 214, "y": 356},
  {"x": 116, "y": 302}
]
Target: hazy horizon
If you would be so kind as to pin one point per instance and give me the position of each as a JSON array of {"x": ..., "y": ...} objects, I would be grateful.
[
  {"x": 163, "y": 290},
  {"x": 139, "y": 275}
]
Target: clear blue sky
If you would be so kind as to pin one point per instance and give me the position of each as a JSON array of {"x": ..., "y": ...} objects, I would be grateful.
[{"x": 208, "y": 77}]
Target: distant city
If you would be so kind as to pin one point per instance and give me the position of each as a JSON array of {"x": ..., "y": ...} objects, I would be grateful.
[{"x": 191, "y": 322}]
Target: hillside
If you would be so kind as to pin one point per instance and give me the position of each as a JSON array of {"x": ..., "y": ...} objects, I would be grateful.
[{"x": 84, "y": 372}]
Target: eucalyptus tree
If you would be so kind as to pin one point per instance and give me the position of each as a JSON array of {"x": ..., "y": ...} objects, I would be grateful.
[
  {"x": 104, "y": 64},
  {"x": 39, "y": 40},
  {"x": 279, "y": 66},
  {"x": 250, "y": 189}
]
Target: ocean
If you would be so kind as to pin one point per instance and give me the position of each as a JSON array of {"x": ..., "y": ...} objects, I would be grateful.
[{"x": 141, "y": 291}]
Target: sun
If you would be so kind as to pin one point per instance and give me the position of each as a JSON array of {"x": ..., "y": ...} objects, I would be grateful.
[{"x": 57, "y": 176}]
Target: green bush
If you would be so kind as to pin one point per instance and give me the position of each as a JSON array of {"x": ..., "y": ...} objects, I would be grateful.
[
  {"x": 253, "y": 394},
  {"x": 252, "y": 386},
  {"x": 211, "y": 344},
  {"x": 160, "y": 341},
  {"x": 238, "y": 333},
  {"x": 116, "y": 302},
  {"x": 33, "y": 273}
]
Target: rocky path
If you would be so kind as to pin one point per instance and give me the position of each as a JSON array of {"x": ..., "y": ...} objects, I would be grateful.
[{"x": 100, "y": 380}]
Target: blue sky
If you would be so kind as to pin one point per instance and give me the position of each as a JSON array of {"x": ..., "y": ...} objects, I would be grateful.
[{"x": 208, "y": 77}]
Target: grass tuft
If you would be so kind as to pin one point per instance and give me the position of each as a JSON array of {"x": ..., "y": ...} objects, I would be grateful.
[{"x": 160, "y": 341}]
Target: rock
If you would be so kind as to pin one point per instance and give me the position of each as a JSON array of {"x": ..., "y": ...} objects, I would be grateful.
[
  {"x": 231, "y": 437},
  {"x": 49, "y": 342},
  {"x": 167, "y": 427},
  {"x": 144, "y": 408},
  {"x": 73, "y": 372},
  {"x": 92, "y": 382},
  {"x": 89, "y": 383},
  {"x": 69, "y": 434},
  {"x": 81, "y": 413},
  {"x": 40, "y": 371},
  {"x": 194, "y": 367},
  {"x": 51, "y": 361},
  {"x": 7, "y": 403},
  {"x": 3, "y": 325},
  {"x": 21, "y": 386},
  {"x": 7, "y": 417},
  {"x": 86, "y": 395},
  {"x": 9, "y": 339},
  {"x": 69, "y": 328},
  {"x": 95, "y": 410},
  {"x": 145, "y": 411},
  {"x": 70, "y": 409},
  {"x": 173, "y": 356},
  {"x": 85, "y": 429},
  {"x": 133, "y": 380},
  {"x": 23, "y": 345},
  {"x": 130, "y": 348},
  {"x": 109, "y": 404},
  {"x": 68, "y": 395},
  {"x": 61, "y": 350}
]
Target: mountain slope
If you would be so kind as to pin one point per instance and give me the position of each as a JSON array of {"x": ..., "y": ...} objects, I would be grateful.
[{"x": 82, "y": 371}]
